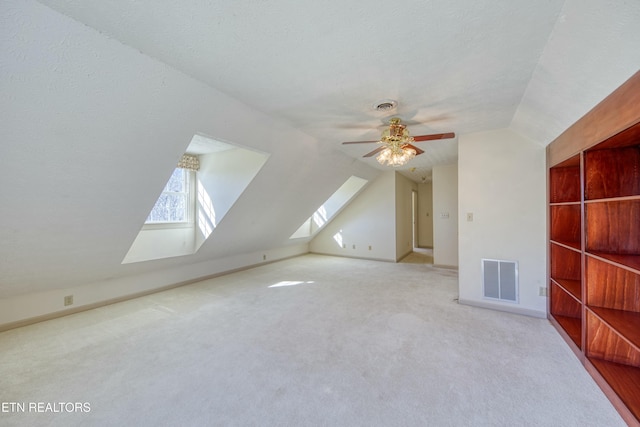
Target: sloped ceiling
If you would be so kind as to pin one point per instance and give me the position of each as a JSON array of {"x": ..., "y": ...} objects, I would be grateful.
[
  {"x": 100, "y": 98},
  {"x": 460, "y": 66},
  {"x": 592, "y": 50}
]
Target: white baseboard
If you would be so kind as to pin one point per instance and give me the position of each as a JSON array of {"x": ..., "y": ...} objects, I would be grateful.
[
  {"x": 450, "y": 267},
  {"x": 26, "y": 309},
  {"x": 507, "y": 308},
  {"x": 352, "y": 256}
]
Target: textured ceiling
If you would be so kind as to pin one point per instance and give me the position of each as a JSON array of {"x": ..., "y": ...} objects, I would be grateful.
[{"x": 459, "y": 66}]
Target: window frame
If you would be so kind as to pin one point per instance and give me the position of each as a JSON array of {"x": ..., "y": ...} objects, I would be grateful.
[{"x": 190, "y": 193}]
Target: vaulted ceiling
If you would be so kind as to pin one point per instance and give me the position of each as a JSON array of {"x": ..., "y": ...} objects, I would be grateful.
[{"x": 459, "y": 66}]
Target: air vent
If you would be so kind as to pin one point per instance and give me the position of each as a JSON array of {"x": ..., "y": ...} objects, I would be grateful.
[
  {"x": 385, "y": 105},
  {"x": 500, "y": 279}
]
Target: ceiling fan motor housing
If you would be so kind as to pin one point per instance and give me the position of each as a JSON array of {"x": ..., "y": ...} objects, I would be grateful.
[{"x": 396, "y": 132}]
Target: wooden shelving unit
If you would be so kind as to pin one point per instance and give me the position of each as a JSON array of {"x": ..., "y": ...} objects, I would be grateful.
[
  {"x": 565, "y": 249},
  {"x": 594, "y": 244}
]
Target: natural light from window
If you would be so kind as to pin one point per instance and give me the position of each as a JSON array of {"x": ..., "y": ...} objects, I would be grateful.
[
  {"x": 320, "y": 216},
  {"x": 209, "y": 179},
  {"x": 290, "y": 283},
  {"x": 173, "y": 204},
  {"x": 330, "y": 207},
  {"x": 338, "y": 238},
  {"x": 206, "y": 212}
]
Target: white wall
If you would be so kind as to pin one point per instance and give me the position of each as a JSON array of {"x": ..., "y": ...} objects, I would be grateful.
[
  {"x": 158, "y": 242},
  {"x": 445, "y": 215},
  {"x": 39, "y": 305},
  {"x": 502, "y": 181},
  {"x": 369, "y": 220},
  {"x": 404, "y": 215},
  {"x": 425, "y": 215}
]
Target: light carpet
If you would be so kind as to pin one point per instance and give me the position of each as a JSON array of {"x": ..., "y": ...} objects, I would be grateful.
[
  {"x": 310, "y": 341},
  {"x": 419, "y": 256}
]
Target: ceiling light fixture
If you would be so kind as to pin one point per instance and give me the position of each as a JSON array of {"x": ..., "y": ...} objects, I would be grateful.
[{"x": 397, "y": 142}]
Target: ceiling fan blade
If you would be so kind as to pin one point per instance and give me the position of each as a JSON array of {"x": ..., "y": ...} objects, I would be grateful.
[
  {"x": 418, "y": 151},
  {"x": 434, "y": 136},
  {"x": 360, "y": 142},
  {"x": 374, "y": 152}
]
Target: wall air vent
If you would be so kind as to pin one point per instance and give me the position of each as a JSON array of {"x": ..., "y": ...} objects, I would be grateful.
[{"x": 500, "y": 280}]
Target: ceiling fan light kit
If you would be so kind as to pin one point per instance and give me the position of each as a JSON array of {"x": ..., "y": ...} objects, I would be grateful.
[
  {"x": 397, "y": 141},
  {"x": 396, "y": 145},
  {"x": 395, "y": 155}
]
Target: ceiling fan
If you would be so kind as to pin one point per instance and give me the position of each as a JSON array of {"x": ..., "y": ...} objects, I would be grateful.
[{"x": 396, "y": 145}]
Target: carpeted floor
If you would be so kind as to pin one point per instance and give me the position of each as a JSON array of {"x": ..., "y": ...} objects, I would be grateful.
[
  {"x": 419, "y": 256},
  {"x": 310, "y": 341}
]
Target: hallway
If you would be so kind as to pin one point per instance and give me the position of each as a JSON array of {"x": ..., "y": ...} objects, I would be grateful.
[{"x": 419, "y": 256}]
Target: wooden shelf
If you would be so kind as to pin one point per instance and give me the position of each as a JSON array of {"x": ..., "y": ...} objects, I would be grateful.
[
  {"x": 565, "y": 262},
  {"x": 567, "y": 312},
  {"x": 600, "y": 183},
  {"x": 629, "y": 262},
  {"x": 574, "y": 246},
  {"x": 594, "y": 244},
  {"x": 573, "y": 287},
  {"x": 565, "y": 224},
  {"x": 604, "y": 342},
  {"x": 624, "y": 380},
  {"x": 628, "y": 137},
  {"x": 572, "y": 327},
  {"x": 610, "y": 286},
  {"x": 565, "y": 204},
  {"x": 564, "y": 181},
  {"x": 608, "y": 199},
  {"x": 613, "y": 227},
  {"x": 625, "y": 323}
]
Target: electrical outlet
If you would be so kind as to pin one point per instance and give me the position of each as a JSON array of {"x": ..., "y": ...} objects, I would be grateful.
[
  {"x": 344, "y": 246},
  {"x": 264, "y": 257},
  {"x": 68, "y": 300},
  {"x": 369, "y": 247},
  {"x": 543, "y": 291},
  {"x": 354, "y": 246},
  {"x": 469, "y": 216}
]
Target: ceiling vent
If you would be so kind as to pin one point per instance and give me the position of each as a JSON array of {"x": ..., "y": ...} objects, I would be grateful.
[{"x": 385, "y": 105}]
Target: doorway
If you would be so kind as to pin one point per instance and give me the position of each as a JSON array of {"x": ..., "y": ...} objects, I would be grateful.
[
  {"x": 414, "y": 218},
  {"x": 419, "y": 255}
]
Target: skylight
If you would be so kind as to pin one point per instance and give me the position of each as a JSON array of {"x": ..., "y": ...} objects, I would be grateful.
[{"x": 330, "y": 208}]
